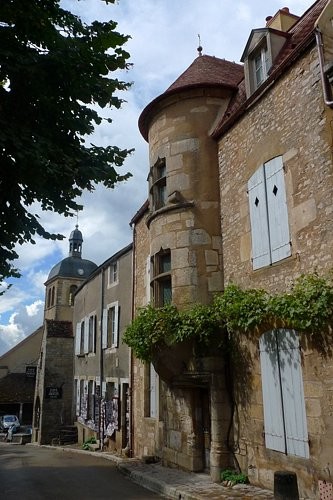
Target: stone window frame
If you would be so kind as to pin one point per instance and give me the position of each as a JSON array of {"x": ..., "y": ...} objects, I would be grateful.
[
  {"x": 158, "y": 187},
  {"x": 162, "y": 279}
]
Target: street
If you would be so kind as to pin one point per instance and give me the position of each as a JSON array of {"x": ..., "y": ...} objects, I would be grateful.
[{"x": 29, "y": 472}]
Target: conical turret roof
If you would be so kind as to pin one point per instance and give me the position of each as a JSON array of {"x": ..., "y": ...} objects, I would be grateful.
[{"x": 205, "y": 71}]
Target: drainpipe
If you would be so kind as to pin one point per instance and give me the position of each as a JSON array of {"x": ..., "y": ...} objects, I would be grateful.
[
  {"x": 101, "y": 365},
  {"x": 324, "y": 81},
  {"x": 131, "y": 437}
]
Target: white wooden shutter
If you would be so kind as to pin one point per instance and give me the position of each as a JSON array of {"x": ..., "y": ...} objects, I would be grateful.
[
  {"x": 116, "y": 325},
  {"x": 293, "y": 394},
  {"x": 103, "y": 389},
  {"x": 153, "y": 391},
  {"x": 271, "y": 389},
  {"x": 105, "y": 329},
  {"x": 78, "y": 338},
  {"x": 277, "y": 210},
  {"x": 86, "y": 335},
  {"x": 259, "y": 219}
]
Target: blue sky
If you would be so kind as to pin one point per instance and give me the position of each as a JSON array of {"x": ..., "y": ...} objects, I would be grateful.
[{"x": 164, "y": 39}]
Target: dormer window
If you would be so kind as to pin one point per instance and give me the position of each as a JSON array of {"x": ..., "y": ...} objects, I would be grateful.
[
  {"x": 261, "y": 65},
  {"x": 262, "y": 49}
]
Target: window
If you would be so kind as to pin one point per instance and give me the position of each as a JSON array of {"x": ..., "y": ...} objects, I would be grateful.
[
  {"x": 261, "y": 66},
  {"x": 91, "y": 400},
  {"x": 161, "y": 284},
  {"x": 269, "y": 214},
  {"x": 72, "y": 290},
  {"x": 113, "y": 274},
  {"x": 49, "y": 298},
  {"x": 158, "y": 188},
  {"x": 283, "y": 395},
  {"x": 52, "y": 296},
  {"x": 92, "y": 333},
  {"x": 110, "y": 326},
  {"x": 82, "y": 338}
]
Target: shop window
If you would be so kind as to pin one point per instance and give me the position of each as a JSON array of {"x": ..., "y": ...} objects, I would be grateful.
[
  {"x": 285, "y": 421},
  {"x": 269, "y": 214}
]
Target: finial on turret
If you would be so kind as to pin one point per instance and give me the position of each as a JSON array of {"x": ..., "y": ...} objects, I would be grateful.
[{"x": 199, "y": 49}]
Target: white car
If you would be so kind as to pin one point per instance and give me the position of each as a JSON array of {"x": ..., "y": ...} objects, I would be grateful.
[{"x": 8, "y": 421}]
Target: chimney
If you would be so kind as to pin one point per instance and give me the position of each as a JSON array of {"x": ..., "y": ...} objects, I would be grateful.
[{"x": 283, "y": 20}]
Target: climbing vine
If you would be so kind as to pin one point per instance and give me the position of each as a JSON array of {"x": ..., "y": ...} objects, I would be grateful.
[{"x": 308, "y": 307}]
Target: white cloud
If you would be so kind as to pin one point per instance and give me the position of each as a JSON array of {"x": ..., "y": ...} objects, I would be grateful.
[
  {"x": 163, "y": 44},
  {"x": 34, "y": 308}
]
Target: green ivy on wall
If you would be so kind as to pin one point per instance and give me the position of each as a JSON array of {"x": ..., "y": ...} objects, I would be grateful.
[{"x": 308, "y": 307}]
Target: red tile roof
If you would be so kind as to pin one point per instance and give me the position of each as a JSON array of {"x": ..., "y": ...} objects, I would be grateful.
[
  {"x": 205, "y": 71},
  {"x": 301, "y": 36}
]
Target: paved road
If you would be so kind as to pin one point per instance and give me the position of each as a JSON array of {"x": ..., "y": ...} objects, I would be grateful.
[{"x": 32, "y": 473}]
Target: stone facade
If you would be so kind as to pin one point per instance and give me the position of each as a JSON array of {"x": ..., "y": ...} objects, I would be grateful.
[
  {"x": 53, "y": 400},
  {"x": 102, "y": 360},
  {"x": 291, "y": 121},
  {"x": 207, "y": 139}
]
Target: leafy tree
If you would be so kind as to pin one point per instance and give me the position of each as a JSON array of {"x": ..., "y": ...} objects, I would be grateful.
[{"x": 53, "y": 68}]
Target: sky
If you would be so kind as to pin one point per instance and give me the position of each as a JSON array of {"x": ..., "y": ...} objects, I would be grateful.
[{"x": 163, "y": 44}]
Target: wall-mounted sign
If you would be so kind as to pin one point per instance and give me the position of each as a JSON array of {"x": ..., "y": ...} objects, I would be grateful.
[
  {"x": 53, "y": 392},
  {"x": 30, "y": 371}
]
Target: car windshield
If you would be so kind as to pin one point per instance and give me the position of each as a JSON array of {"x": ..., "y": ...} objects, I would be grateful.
[{"x": 10, "y": 418}]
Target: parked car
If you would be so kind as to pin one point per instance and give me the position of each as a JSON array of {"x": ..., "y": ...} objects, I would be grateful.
[{"x": 8, "y": 421}]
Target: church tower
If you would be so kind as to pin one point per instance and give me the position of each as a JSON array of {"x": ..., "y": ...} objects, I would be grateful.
[
  {"x": 54, "y": 382},
  {"x": 64, "y": 279}
]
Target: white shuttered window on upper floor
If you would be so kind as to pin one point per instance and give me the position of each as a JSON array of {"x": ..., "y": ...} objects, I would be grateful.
[
  {"x": 283, "y": 394},
  {"x": 269, "y": 214}
]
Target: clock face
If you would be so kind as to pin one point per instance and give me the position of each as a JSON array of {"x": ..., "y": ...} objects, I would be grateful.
[{"x": 80, "y": 271}]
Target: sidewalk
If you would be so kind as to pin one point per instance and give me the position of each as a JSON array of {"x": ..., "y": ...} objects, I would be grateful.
[{"x": 174, "y": 483}]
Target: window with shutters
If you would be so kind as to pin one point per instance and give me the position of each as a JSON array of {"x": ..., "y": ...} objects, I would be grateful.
[
  {"x": 161, "y": 282},
  {"x": 113, "y": 274},
  {"x": 92, "y": 333},
  {"x": 283, "y": 395},
  {"x": 269, "y": 214},
  {"x": 110, "y": 326}
]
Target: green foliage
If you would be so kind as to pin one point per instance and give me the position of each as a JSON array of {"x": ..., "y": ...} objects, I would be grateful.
[
  {"x": 241, "y": 309},
  {"x": 150, "y": 327},
  {"x": 307, "y": 307},
  {"x": 88, "y": 442},
  {"x": 234, "y": 477},
  {"x": 53, "y": 68}
]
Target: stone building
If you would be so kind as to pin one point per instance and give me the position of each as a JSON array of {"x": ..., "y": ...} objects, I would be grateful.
[
  {"x": 18, "y": 368},
  {"x": 102, "y": 310},
  {"x": 54, "y": 382},
  {"x": 240, "y": 190}
]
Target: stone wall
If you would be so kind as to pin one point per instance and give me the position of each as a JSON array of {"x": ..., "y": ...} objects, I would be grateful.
[{"x": 289, "y": 120}]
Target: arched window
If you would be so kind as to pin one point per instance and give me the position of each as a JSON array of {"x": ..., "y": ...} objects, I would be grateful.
[
  {"x": 72, "y": 290},
  {"x": 49, "y": 297},
  {"x": 52, "y": 296}
]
